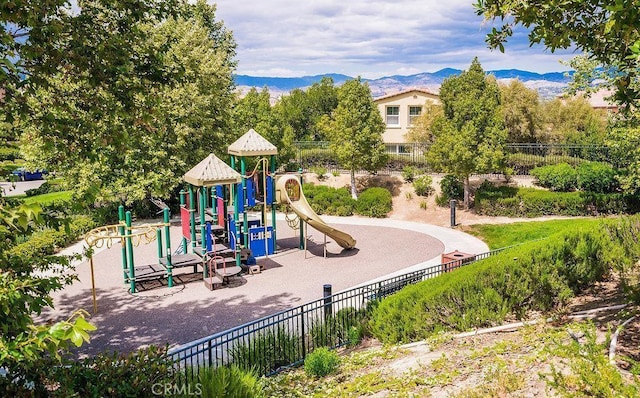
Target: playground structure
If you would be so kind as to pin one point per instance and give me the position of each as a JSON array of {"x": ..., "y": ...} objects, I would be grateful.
[{"x": 218, "y": 232}]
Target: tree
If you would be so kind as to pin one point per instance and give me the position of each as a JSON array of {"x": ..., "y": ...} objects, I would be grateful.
[
  {"x": 122, "y": 144},
  {"x": 521, "y": 110},
  {"x": 322, "y": 99},
  {"x": 355, "y": 130},
  {"x": 606, "y": 31},
  {"x": 421, "y": 131},
  {"x": 26, "y": 282},
  {"x": 469, "y": 137},
  {"x": 572, "y": 120}
]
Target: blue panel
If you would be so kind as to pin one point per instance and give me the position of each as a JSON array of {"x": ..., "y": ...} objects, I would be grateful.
[
  {"x": 233, "y": 235},
  {"x": 219, "y": 191},
  {"x": 251, "y": 194},
  {"x": 257, "y": 241},
  {"x": 240, "y": 196},
  {"x": 208, "y": 240},
  {"x": 270, "y": 190}
]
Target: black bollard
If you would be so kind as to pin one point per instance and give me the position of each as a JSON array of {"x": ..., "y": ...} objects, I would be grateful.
[
  {"x": 452, "y": 204},
  {"x": 328, "y": 308}
]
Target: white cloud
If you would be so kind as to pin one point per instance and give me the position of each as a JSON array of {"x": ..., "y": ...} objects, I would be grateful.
[{"x": 368, "y": 38}]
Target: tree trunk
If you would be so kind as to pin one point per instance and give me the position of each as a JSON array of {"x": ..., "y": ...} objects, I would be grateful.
[
  {"x": 354, "y": 193},
  {"x": 466, "y": 192}
]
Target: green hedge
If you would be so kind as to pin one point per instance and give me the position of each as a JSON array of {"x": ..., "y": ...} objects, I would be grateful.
[
  {"x": 531, "y": 202},
  {"x": 522, "y": 163},
  {"x": 539, "y": 276},
  {"x": 374, "y": 202},
  {"x": 47, "y": 242},
  {"x": 560, "y": 177},
  {"x": 328, "y": 200}
]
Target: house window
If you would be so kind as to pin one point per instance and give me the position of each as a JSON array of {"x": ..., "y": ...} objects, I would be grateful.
[
  {"x": 393, "y": 115},
  {"x": 414, "y": 112}
]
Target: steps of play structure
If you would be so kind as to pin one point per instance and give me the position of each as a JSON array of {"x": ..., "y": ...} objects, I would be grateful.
[
  {"x": 213, "y": 282},
  {"x": 182, "y": 260}
]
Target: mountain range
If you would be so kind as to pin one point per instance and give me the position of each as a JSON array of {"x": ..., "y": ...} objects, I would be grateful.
[{"x": 547, "y": 84}]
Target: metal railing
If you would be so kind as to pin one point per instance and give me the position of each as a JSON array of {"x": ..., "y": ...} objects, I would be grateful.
[
  {"x": 521, "y": 157},
  {"x": 282, "y": 340}
]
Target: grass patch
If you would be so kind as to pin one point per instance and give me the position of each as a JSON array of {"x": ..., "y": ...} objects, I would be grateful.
[
  {"x": 503, "y": 235},
  {"x": 49, "y": 198}
]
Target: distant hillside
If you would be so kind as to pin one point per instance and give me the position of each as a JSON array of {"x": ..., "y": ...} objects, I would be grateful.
[{"x": 547, "y": 84}]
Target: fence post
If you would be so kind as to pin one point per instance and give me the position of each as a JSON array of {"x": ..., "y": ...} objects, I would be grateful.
[
  {"x": 452, "y": 205},
  {"x": 328, "y": 310}
]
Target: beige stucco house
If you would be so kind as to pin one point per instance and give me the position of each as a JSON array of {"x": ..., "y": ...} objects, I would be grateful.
[{"x": 398, "y": 111}]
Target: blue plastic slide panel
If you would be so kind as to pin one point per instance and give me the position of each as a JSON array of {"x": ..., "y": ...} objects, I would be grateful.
[
  {"x": 240, "y": 196},
  {"x": 219, "y": 191}
]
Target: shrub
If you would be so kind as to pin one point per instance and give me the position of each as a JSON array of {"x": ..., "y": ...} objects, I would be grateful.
[
  {"x": 452, "y": 188},
  {"x": 374, "y": 202},
  {"x": 9, "y": 152},
  {"x": 115, "y": 375},
  {"x": 336, "y": 330},
  {"x": 328, "y": 200},
  {"x": 228, "y": 381},
  {"x": 422, "y": 186},
  {"x": 409, "y": 173},
  {"x": 42, "y": 189},
  {"x": 530, "y": 202},
  {"x": 561, "y": 177},
  {"x": 321, "y": 362},
  {"x": 319, "y": 171},
  {"x": 267, "y": 352},
  {"x": 540, "y": 276},
  {"x": 597, "y": 177}
]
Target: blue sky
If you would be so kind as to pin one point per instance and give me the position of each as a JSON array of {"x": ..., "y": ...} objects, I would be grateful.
[{"x": 370, "y": 38}]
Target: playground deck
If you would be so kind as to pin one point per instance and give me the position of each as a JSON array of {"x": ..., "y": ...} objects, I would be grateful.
[{"x": 188, "y": 311}]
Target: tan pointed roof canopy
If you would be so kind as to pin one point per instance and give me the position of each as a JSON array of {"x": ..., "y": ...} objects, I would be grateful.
[
  {"x": 252, "y": 144},
  {"x": 212, "y": 171}
]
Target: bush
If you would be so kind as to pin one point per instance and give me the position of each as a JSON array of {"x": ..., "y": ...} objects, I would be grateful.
[
  {"x": 327, "y": 200},
  {"x": 540, "y": 276},
  {"x": 530, "y": 202},
  {"x": 409, "y": 173},
  {"x": 374, "y": 202},
  {"x": 321, "y": 362},
  {"x": 115, "y": 375},
  {"x": 422, "y": 186},
  {"x": 523, "y": 163},
  {"x": 343, "y": 328},
  {"x": 267, "y": 352},
  {"x": 561, "y": 177},
  {"x": 597, "y": 177},
  {"x": 229, "y": 382},
  {"x": 319, "y": 171},
  {"x": 452, "y": 188}
]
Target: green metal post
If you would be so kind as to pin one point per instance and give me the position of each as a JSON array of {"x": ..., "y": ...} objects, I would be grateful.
[
  {"x": 183, "y": 203},
  {"x": 167, "y": 237},
  {"x": 192, "y": 217},
  {"x": 273, "y": 198},
  {"x": 203, "y": 229},
  {"x": 121, "y": 231},
  {"x": 132, "y": 272},
  {"x": 160, "y": 242},
  {"x": 301, "y": 222}
]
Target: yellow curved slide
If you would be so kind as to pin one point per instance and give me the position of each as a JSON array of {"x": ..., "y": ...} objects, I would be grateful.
[{"x": 289, "y": 184}]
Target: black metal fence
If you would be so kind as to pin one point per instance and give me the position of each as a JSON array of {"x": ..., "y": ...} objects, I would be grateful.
[
  {"x": 282, "y": 340},
  {"x": 521, "y": 157}
]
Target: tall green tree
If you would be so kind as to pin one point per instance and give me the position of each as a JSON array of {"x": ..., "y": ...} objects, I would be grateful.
[
  {"x": 572, "y": 121},
  {"x": 421, "y": 131},
  {"x": 521, "y": 110},
  {"x": 322, "y": 99},
  {"x": 470, "y": 136},
  {"x": 355, "y": 130},
  {"x": 125, "y": 145},
  {"x": 607, "y": 31}
]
